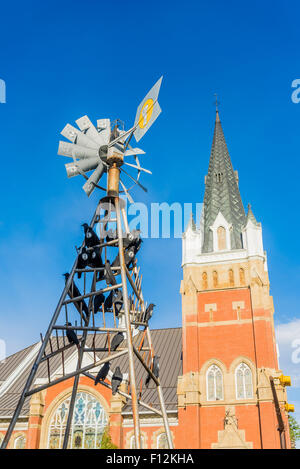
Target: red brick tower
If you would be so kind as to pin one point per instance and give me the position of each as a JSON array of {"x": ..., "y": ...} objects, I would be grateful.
[{"x": 229, "y": 350}]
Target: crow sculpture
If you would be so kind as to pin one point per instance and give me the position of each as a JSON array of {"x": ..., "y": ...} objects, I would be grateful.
[
  {"x": 90, "y": 237},
  {"x": 71, "y": 335},
  {"x": 116, "y": 340},
  {"x": 74, "y": 292},
  {"x": 155, "y": 370},
  {"x": 103, "y": 372},
  {"x": 116, "y": 380}
]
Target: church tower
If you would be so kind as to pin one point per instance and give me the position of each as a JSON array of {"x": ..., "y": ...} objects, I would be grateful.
[{"x": 231, "y": 393}]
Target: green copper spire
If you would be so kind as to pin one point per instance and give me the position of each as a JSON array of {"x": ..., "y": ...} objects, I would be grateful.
[{"x": 222, "y": 193}]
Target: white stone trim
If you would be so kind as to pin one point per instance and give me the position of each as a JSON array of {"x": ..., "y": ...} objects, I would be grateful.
[
  {"x": 252, "y": 245},
  {"x": 130, "y": 425},
  {"x": 20, "y": 426},
  {"x": 222, "y": 258},
  {"x": 238, "y": 304},
  {"x": 210, "y": 307}
]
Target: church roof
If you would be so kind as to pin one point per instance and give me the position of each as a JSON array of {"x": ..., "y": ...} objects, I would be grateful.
[
  {"x": 166, "y": 343},
  {"x": 221, "y": 192}
]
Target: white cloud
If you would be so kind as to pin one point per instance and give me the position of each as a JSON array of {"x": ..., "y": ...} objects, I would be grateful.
[{"x": 288, "y": 338}]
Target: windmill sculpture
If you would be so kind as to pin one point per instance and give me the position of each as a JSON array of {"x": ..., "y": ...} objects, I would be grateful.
[{"x": 108, "y": 302}]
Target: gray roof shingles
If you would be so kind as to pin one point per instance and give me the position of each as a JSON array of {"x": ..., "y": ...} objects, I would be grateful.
[{"x": 166, "y": 343}]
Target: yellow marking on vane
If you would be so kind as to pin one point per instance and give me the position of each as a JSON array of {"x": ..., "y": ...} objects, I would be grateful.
[{"x": 146, "y": 113}]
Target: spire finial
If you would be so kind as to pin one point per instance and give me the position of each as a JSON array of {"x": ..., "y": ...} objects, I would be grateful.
[
  {"x": 217, "y": 108},
  {"x": 217, "y": 103}
]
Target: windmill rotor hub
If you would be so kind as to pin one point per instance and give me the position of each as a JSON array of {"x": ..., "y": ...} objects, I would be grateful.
[
  {"x": 115, "y": 157},
  {"x": 103, "y": 152}
]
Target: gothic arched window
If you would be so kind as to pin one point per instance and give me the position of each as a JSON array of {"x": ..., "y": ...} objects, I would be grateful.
[
  {"x": 215, "y": 278},
  {"x": 132, "y": 442},
  {"x": 204, "y": 281},
  {"x": 19, "y": 442},
  {"x": 231, "y": 277},
  {"x": 89, "y": 422},
  {"x": 221, "y": 234},
  {"x": 242, "y": 276},
  {"x": 162, "y": 442},
  {"x": 214, "y": 381},
  {"x": 243, "y": 382}
]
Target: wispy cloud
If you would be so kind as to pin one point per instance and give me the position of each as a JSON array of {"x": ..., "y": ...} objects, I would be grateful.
[{"x": 288, "y": 337}]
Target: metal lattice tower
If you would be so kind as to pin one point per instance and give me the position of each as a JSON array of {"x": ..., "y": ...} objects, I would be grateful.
[{"x": 109, "y": 301}]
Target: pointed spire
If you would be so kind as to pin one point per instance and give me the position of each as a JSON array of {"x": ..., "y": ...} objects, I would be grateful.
[
  {"x": 191, "y": 224},
  {"x": 222, "y": 192},
  {"x": 250, "y": 216}
]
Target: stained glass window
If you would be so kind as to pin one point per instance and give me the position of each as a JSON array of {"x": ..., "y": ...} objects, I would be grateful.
[
  {"x": 243, "y": 379},
  {"x": 214, "y": 383},
  {"x": 162, "y": 442},
  {"x": 88, "y": 425},
  {"x": 19, "y": 442}
]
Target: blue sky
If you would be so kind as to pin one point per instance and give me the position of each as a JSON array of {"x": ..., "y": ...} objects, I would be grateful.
[{"x": 61, "y": 60}]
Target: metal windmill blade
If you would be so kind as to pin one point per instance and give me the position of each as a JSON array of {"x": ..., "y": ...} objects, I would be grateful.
[
  {"x": 88, "y": 150},
  {"x": 103, "y": 148}
]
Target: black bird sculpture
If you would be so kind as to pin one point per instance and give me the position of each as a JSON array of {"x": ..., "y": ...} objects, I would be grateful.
[
  {"x": 128, "y": 257},
  {"x": 132, "y": 239},
  {"x": 73, "y": 292},
  {"x": 155, "y": 370},
  {"x": 108, "y": 301},
  {"x": 116, "y": 340},
  {"x": 103, "y": 372},
  {"x": 91, "y": 239},
  {"x": 95, "y": 259},
  {"x": 128, "y": 239},
  {"x": 118, "y": 301},
  {"x": 129, "y": 254},
  {"x": 111, "y": 236},
  {"x": 108, "y": 274},
  {"x": 83, "y": 260},
  {"x": 71, "y": 335},
  {"x": 149, "y": 312},
  {"x": 116, "y": 380},
  {"x": 98, "y": 300}
]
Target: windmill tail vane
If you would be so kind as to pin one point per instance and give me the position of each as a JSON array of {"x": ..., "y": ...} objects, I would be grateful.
[{"x": 101, "y": 310}]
